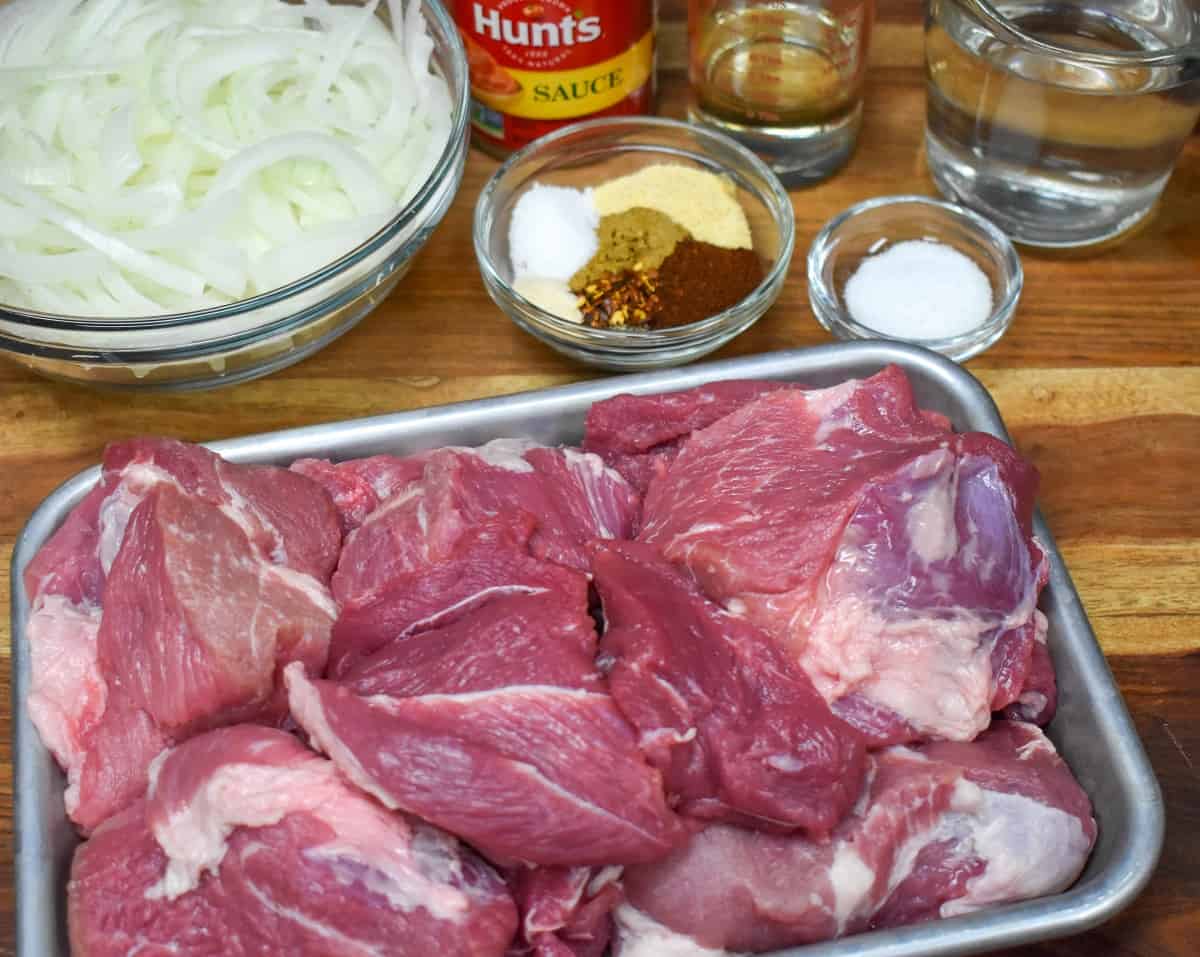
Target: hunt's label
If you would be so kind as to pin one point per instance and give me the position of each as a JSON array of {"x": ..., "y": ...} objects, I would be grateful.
[{"x": 538, "y": 65}]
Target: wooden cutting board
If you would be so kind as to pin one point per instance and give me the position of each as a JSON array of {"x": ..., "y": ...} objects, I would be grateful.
[{"x": 1097, "y": 380}]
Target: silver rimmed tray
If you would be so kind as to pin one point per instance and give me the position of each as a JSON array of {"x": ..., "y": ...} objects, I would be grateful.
[{"x": 1092, "y": 728}]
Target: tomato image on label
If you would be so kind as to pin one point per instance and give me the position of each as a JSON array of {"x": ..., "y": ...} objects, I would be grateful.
[
  {"x": 537, "y": 64},
  {"x": 490, "y": 82}
]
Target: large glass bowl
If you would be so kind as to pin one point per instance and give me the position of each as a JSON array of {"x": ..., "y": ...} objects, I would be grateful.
[
  {"x": 585, "y": 154},
  {"x": 253, "y": 337}
]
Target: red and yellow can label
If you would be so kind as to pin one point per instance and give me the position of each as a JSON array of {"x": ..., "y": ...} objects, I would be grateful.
[{"x": 537, "y": 65}]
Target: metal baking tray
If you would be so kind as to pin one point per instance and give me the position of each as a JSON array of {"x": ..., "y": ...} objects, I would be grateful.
[{"x": 1092, "y": 729}]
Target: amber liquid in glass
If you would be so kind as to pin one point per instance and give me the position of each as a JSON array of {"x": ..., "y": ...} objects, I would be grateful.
[{"x": 784, "y": 74}]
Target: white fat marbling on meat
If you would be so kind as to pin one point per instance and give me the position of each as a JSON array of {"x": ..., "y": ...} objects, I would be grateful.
[
  {"x": 1039, "y": 744},
  {"x": 507, "y": 454},
  {"x": 603, "y": 877},
  {"x": 864, "y": 795},
  {"x": 935, "y": 672},
  {"x": 194, "y": 837},
  {"x": 825, "y": 403},
  {"x": 443, "y": 614},
  {"x": 650, "y": 739},
  {"x": 250, "y": 520},
  {"x": 407, "y": 878},
  {"x": 436, "y": 853},
  {"x": 541, "y": 692},
  {"x": 639, "y": 935},
  {"x": 700, "y": 528},
  {"x": 136, "y": 482},
  {"x": 67, "y": 693},
  {"x": 1031, "y": 850},
  {"x": 306, "y": 708},
  {"x": 591, "y": 471},
  {"x": 370, "y": 846},
  {"x": 338, "y": 942},
  {"x": 592, "y": 464},
  {"x": 381, "y": 485},
  {"x": 930, "y": 520},
  {"x": 155, "y": 768},
  {"x": 851, "y": 879},
  {"x": 965, "y": 800},
  {"x": 1041, "y": 626},
  {"x": 389, "y": 505},
  {"x": 302, "y": 582}
]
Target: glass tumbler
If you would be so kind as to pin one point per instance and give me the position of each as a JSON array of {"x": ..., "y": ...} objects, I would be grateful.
[
  {"x": 1060, "y": 120},
  {"x": 783, "y": 77}
]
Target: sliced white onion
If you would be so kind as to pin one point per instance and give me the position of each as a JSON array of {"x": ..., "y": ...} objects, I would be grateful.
[
  {"x": 120, "y": 252},
  {"x": 162, "y": 155}
]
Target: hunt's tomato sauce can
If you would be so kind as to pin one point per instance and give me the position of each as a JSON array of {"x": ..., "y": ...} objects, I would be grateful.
[{"x": 537, "y": 65}]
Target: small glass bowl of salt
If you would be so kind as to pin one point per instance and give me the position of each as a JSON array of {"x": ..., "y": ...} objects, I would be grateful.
[{"x": 918, "y": 270}]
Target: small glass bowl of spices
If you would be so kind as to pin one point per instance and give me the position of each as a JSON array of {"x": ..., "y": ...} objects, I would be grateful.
[
  {"x": 634, "y": 243},
  {"x": 917, "y": 270}
]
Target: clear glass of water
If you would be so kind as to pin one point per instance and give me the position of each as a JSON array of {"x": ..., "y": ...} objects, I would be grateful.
[
  {"x": 1060, "y": 120},
  {"x": 783, "y": 77}
]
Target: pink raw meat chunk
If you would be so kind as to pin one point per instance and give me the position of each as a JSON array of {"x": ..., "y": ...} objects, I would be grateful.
[
  {"x": 287, "y": 518},
  {"x": 519, "y": 639},
  {"x": 573, "y": 496},
  {"x": 360, "y": 486},
  {"x": 195, "y": 631},
  {"x": 497, "y": 728},
  {"x": 736, "y": 727},
  {"x": 565, "y": 911},
  {"x": 487, "y": 561},
  {"x": 893, "y": 558},
  {"x": 284, "y": 515},
  {"x": 249, "y": 844},
  {"x": 639, "y": 435},
  {"x": 944, "y": 829},
  {"x": 104, "y": 630}
]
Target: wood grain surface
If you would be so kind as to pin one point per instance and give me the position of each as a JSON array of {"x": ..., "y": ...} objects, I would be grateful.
[{"x": 1097, "y": 380}]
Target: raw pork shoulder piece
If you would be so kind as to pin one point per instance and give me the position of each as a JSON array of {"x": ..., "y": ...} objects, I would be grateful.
[
  {"x": 894, "y": 558},
  {"x": 485, "y": 562},
  {"x": 195, "y": 630},
  {"x": 942, "y": 830},
  {"x": 286, "y": 516},
  {"x": 573, "y": 496},
  {"x": 565, "y": 911},
  {"x": 359, "y": 486},
  {"x": 735, "y": 726},
  {"x": 283, "y": 520},
  {"x": 249, "y": 844},
  {"x": 496, "y": 727},
  {"x": 639, "y": 435}
]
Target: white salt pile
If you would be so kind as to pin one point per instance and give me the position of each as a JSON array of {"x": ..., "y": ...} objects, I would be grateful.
[
  {"x": 551, "y": 236},
  {"x": 553, "y": 232},
  {"x": 919, "y": 289}
]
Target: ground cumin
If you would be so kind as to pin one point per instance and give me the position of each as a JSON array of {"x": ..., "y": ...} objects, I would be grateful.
[
  {"x": 699, "y": 280},
  {"x": 637, "y": 239}
]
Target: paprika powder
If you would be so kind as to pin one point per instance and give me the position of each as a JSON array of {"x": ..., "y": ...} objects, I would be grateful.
[{"x": 699, "y": 280}]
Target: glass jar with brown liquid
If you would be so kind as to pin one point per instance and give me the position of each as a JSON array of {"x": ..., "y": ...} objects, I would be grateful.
[{"x": 784, "y": 77}]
